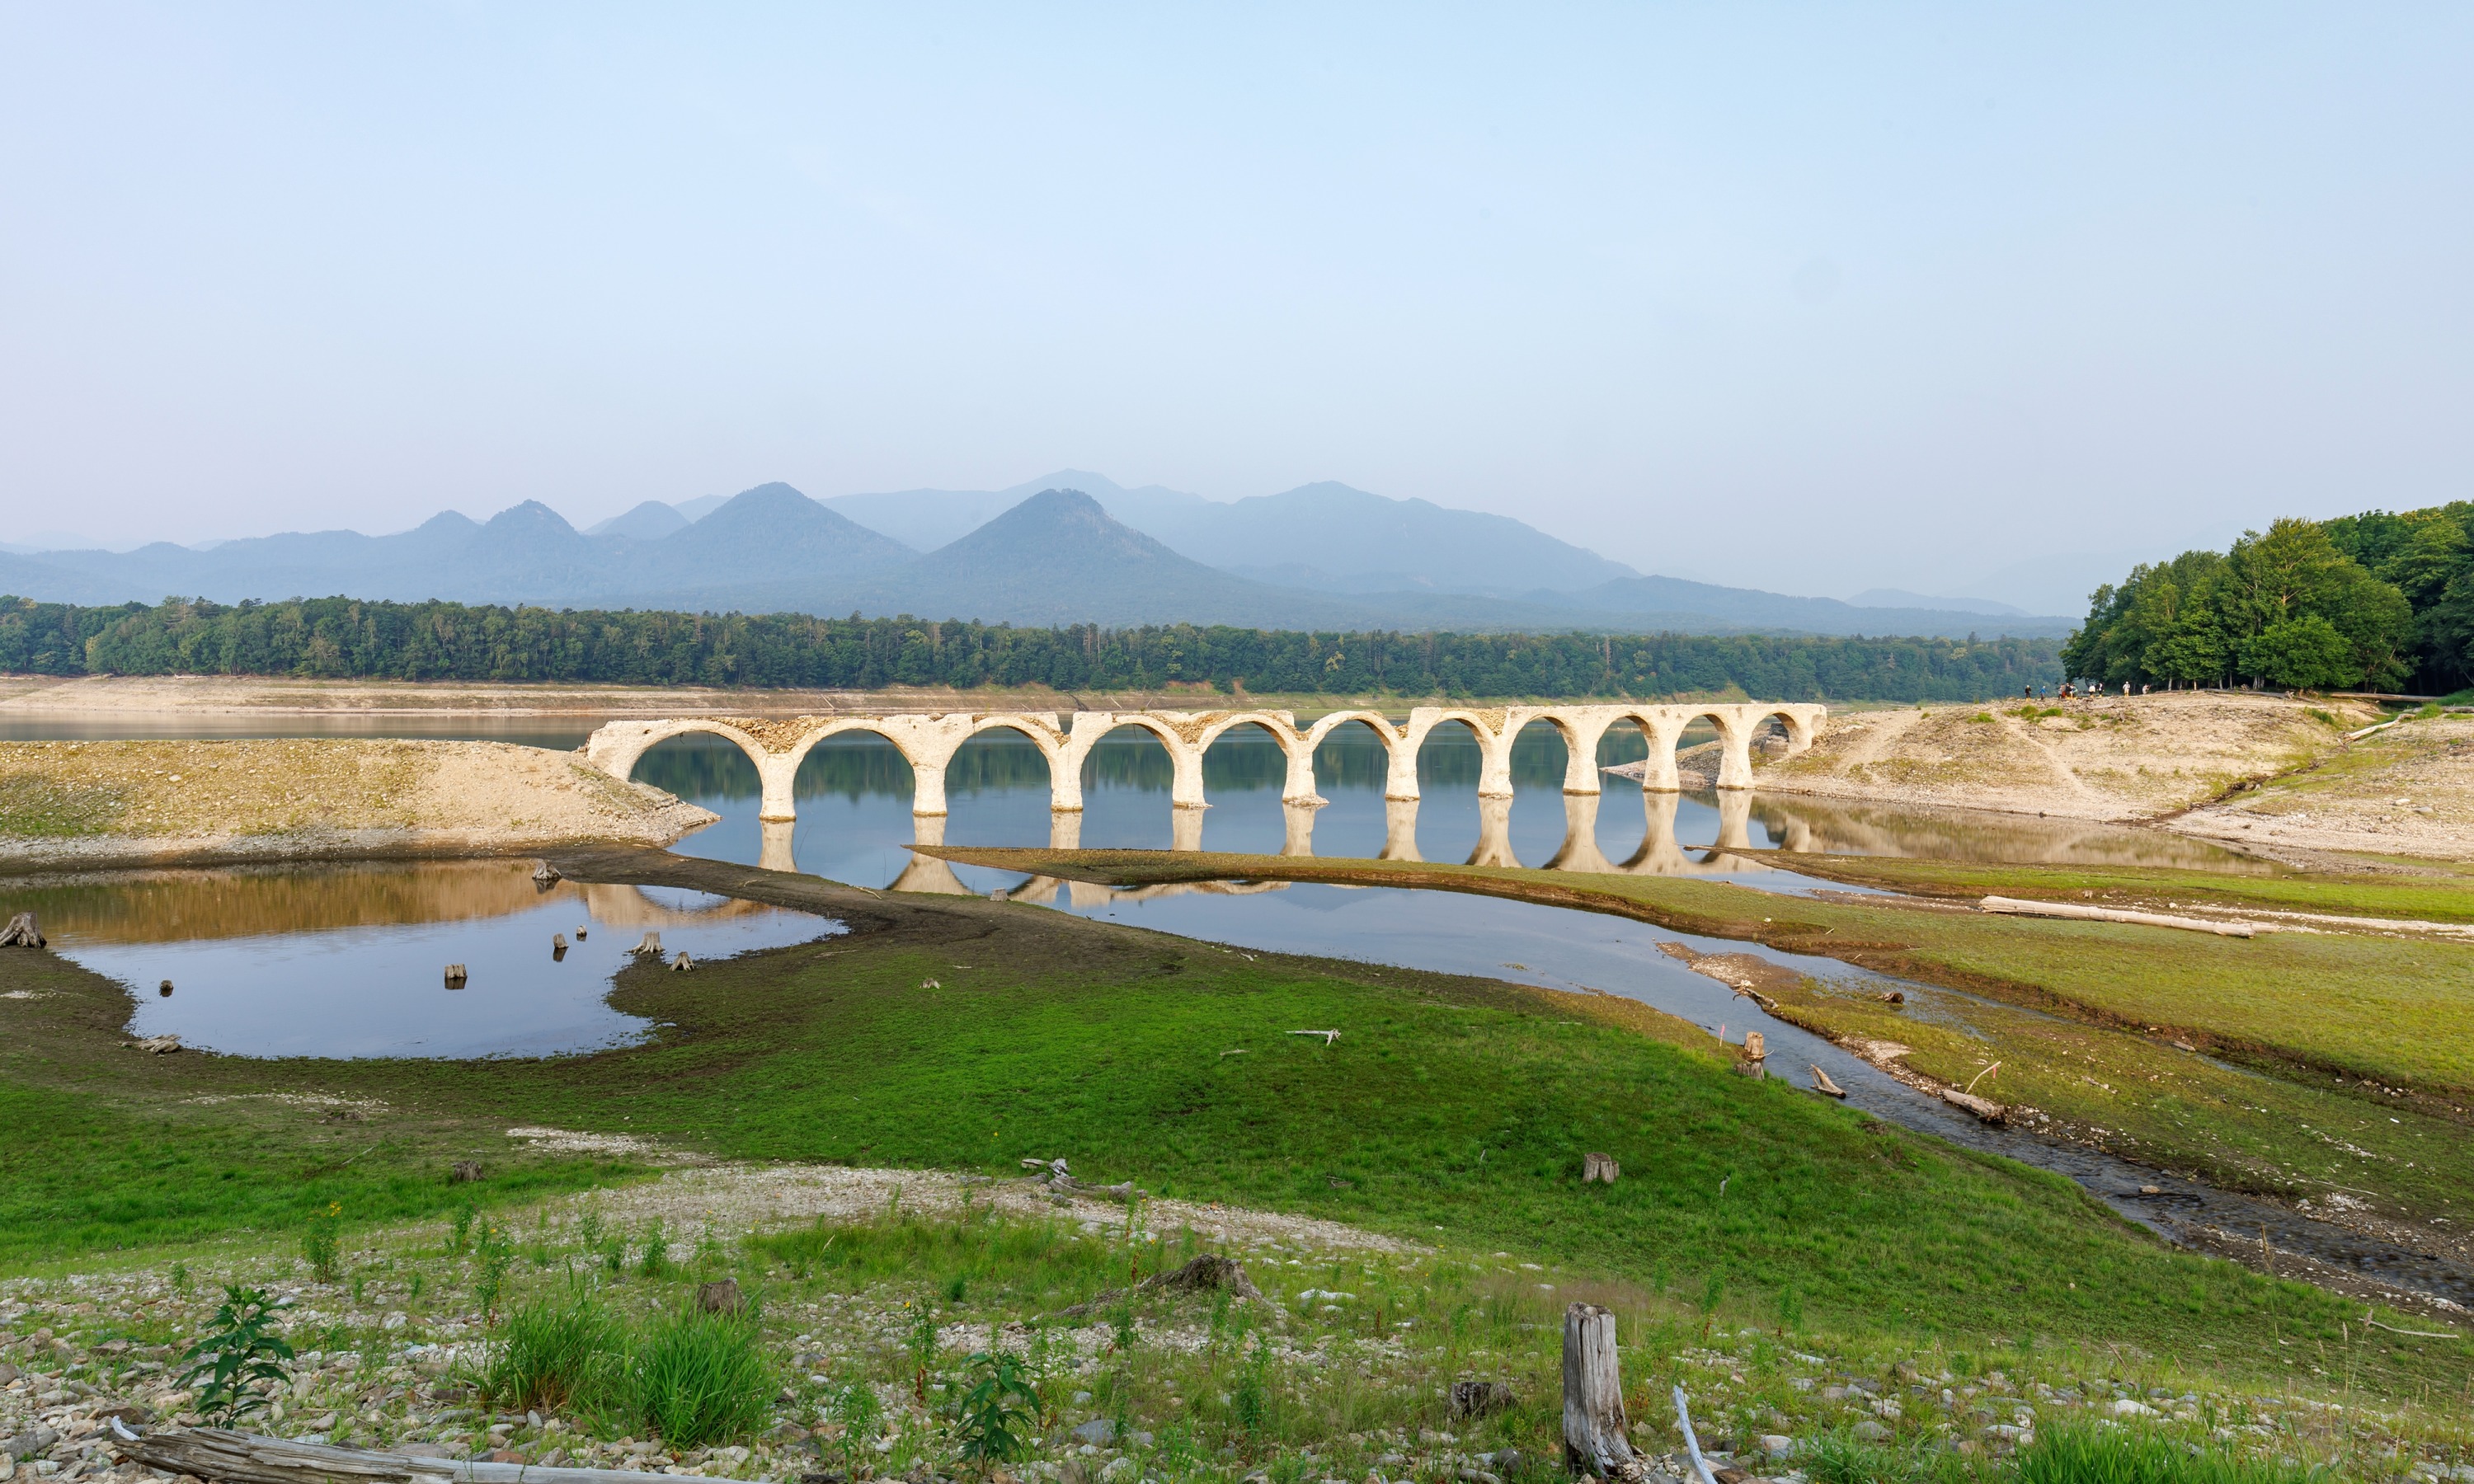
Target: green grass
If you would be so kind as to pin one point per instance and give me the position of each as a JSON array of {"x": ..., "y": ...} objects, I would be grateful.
[
  {"x": 2355, "y": 1005},
  {"x": 2087, "y": 1453},
  {"x": 1449, "y": 1111}
]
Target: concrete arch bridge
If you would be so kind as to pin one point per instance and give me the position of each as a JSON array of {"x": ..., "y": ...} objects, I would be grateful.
[{"x": 778, "y": 746}]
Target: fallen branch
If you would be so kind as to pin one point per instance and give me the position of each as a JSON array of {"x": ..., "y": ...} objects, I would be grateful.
[
  {"x": 2013, "y": 906},
  {"x": 1206, "y": 1271},
  {"x": 1328, "y": 1036},
  {"x": 1822, "y": 1084},
  {"x": 2420, "y": 1334},
  {"x": 228, "y": 1457}
]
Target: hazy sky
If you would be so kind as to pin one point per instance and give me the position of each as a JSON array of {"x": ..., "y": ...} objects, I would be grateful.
[{"x": 1812, "y": 298}]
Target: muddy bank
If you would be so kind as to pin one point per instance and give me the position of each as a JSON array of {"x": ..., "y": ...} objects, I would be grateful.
[{"x": 85, "y": 804}]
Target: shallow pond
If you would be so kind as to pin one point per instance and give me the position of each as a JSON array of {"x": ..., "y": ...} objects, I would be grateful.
[{"x": 349, "y": 960}]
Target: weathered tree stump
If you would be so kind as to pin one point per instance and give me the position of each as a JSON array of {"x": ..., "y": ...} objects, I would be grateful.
[
  {"x": 558, "y": 942},
  {"x": 682, "y": 964},
  {"x": 1755, "y": 1048},
  {"x": 464, "y": 1172},
  {"x": 653, "y": 945},
  {"x": 721, "y": 1297},
  {"x": 22, "y": 933},
  {"x": 546, "y": 875},
  {"x": 455, "y": 976},
  {"x": 1593, "y": 1409},
  {"x": 579, "y": 932},
  {"x": 1596, "y": 1166},
  {"x": 1473, "y": 1400}
]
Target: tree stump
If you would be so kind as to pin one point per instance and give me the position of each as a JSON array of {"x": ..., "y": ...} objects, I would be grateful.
[
  {"x": 546, "y": 875},
  {"x": 1596, "y": 1166},
  {"x": 1755, "y": 1049},
  {"x": 652, "y": 945},
  {"x": 682, "y": 964},
  {"x": 1593, "y": 1409},
  {"x": 721, "y": 1297},
  {"x": 1473, "y": 1400},
  {"x": 455, "y": 976},
  {"x": 463, "y": 1172},
  {"x": 21, "y": 933}
]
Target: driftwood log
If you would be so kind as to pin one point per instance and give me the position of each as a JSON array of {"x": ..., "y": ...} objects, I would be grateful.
[
  {"x": 2015, "y": 907},
  {"x": 225, "y": 1457},
  {"x": 1059, "y": 1181},
  {"x": 1822, "y": 1084},
  {"x": 1201, "y": 1275},
  {"x": 21, "y": 933},
  {"x": 1593, "y": 1409}
]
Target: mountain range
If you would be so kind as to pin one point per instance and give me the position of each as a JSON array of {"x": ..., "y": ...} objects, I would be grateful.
[{"x": 1073, "y": 548}]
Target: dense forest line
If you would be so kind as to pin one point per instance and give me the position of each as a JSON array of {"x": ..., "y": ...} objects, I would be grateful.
[
  {"x": 343, "y": 637},
  {"x": 2378, "y": 600}
]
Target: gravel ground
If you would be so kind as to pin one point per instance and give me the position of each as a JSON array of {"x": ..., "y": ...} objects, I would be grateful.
[{"x": 382, "y": 1355}]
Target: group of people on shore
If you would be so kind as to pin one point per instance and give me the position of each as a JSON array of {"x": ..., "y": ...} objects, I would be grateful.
[{"x": 2075, "y": 689}]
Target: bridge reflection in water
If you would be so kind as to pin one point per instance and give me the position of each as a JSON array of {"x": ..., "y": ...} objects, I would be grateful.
[{"x": 1660, "y": 854}]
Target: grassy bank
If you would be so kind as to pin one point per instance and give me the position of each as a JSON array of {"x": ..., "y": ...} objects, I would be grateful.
[
  {"x": 2145, "y": 1041},
  {"x": 967, "y": 1035}
]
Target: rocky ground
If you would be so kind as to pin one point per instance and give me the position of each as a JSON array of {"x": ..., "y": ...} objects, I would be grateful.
[
  {"x": 387, "y": 1353},
  {"x": 2118, "y": 757},
  {"x": 162, "y": 801},
  {"x": 2407, "y": 790}
]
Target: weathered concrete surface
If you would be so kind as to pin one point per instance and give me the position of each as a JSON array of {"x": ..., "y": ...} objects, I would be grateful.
[{"x": 777, "y": 746}]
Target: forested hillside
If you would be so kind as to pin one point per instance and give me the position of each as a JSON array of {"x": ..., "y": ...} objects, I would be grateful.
[
  {"x": 344, "y": 638},
  {"x": 2378, "y": 600}
]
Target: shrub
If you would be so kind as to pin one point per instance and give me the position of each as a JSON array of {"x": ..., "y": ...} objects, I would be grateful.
[
  {"x": 553, "y": 1357},
  {"x": 699, "y": 1378}
]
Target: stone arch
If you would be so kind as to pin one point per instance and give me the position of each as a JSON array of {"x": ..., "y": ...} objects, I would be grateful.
[
  {"x": 1297, "y": 786},
  {"x": 926, "y": 794},
  {"x": 619, "y": 746},
  {"x": 1185, "y": 792},
  {"x": 1660, "y": 727},
  {"x": 1401, "y": 754},
  {"x": 1495, "y": 745},
  {"x": 1042, "y": 731}
]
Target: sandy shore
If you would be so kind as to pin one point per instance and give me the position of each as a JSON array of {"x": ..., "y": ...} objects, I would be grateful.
[{"x": 96, "y": 803}]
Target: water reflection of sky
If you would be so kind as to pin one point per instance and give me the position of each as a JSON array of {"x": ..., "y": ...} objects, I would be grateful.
[{"x": 350, "y": 961}]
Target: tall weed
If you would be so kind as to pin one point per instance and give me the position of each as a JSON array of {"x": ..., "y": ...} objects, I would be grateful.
[
  {"x": 699, "y": 1378},
  {"x": 553, "y": 1357}
]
